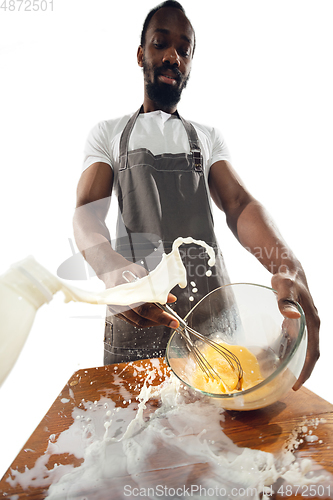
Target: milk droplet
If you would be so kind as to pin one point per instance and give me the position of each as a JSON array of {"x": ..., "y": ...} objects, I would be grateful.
[{"x": 311, "y": 438}]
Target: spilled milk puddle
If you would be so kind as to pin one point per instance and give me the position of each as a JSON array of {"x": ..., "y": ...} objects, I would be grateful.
[{"x": 164, "y": 444}]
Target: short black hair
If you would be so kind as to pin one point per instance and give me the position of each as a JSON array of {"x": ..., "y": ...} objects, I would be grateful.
[{"x": 168, "y": 3}]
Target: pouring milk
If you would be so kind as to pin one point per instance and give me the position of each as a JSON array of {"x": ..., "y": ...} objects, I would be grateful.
[{"x": 27, "y": 285}]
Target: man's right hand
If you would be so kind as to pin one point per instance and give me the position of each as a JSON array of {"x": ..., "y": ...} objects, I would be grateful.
[
  {"x": 145, "y": 315},
  {"x": 140, "y": 315}
]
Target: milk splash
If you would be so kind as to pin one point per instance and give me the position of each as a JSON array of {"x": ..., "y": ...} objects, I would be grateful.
[
  {"x": 178, "y": 450},
  {"x": 154, "y": 287},
  {"x": 27, "y": 285}
]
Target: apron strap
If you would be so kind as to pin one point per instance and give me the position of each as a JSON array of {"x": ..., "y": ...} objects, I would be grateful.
[
  {"x": 190, "y": 131},
  {"x": 194, "y": 144},
  {"x": 124, "y": 139}
]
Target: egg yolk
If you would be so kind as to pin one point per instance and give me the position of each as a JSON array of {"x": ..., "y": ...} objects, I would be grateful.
[{"x": 229, "y": 377}]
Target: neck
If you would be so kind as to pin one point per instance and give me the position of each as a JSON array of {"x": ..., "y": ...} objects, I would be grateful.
[{"x": 149, "y": 106}]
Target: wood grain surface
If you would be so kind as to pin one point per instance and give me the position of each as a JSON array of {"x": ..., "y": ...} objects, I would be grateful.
[{"x": 268, "y": 429}]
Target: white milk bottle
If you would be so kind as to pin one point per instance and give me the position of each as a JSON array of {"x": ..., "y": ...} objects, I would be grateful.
[{"x": 24, "y": 288}]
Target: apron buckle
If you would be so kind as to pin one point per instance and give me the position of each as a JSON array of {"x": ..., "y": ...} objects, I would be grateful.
[
  {"x": 122, "y": 162},
  {"x": 197, "y": 160}
]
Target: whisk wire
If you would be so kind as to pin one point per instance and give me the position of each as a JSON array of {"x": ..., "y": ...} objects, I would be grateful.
[
  {"x": 184, "y": 330},
  {"x": 204, "y": 364}
]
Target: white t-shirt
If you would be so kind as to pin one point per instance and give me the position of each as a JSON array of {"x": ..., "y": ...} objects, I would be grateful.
[{"x": 157, "y": 131}]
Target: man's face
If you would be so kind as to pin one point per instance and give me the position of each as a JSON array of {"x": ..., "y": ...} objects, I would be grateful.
[{"x": 167, "y": 56}]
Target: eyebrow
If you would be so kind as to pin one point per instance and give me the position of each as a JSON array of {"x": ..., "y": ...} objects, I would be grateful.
[{"x": 167, "y": 32}]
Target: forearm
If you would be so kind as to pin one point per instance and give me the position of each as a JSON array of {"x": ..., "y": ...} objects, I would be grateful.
[
  {"x": 257, "y": 232},
  {"x": 93, "y": 240}
]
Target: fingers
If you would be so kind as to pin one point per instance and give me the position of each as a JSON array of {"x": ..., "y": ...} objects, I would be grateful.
[
  {"x": 313, "y": 352},
  {"x": 290, "y": 289},
  {"x": 146, "y": 315},
  {"x": 287, "y": 295},
  {"x": 155, "y": 315},
  {"x": 171, "y": 298},
  {"x": 311, "y": 359}
]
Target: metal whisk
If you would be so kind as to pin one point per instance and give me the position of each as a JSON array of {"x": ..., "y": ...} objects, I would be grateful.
[{"x": 200, "y": 359}]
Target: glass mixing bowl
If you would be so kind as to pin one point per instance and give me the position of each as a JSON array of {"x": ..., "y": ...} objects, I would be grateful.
[{"x": 246, "y": 315}]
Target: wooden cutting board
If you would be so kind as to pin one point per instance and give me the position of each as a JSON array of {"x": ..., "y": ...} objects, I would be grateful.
[{"x": 267, "y": 429}]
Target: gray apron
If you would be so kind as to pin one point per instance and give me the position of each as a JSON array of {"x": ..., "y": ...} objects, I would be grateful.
[{"x": 161, "y": 197}]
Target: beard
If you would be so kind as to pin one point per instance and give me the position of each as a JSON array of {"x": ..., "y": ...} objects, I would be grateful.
[{"x": 163, "y": 94}]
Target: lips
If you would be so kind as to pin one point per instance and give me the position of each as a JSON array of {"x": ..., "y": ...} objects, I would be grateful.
[
  {"x": 170, "y": 77},
  {"x": 169, "y": 80}
]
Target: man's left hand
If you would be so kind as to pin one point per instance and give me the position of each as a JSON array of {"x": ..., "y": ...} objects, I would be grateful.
[{"x": 291, "y": 288}]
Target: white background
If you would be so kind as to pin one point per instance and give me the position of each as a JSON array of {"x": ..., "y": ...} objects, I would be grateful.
[{"x": 261, "y": 74}]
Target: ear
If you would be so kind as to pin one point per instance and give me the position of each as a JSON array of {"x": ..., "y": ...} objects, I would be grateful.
[{"x": 140, "y": 56}]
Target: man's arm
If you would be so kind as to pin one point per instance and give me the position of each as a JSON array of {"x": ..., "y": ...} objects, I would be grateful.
[
  {"x": 93, "y": 240},
  {"x": 255, "y": 230}
]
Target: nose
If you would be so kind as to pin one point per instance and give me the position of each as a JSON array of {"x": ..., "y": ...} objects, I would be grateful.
[{"x": 171, "y": 56}]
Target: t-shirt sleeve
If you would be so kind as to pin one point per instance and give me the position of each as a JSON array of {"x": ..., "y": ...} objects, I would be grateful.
[
  {"x": 220, "y": 149},
  {"x": 97, "y": 147}
]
